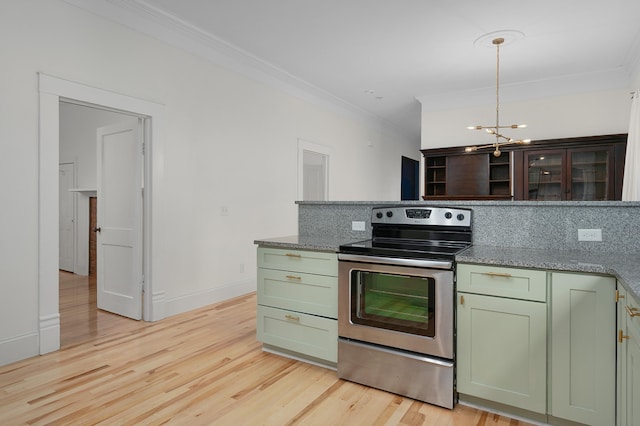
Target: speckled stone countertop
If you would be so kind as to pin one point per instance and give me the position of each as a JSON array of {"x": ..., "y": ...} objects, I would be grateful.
[
  {"x": 298, "y": 242},
  {"x": 624, "y": 266}
]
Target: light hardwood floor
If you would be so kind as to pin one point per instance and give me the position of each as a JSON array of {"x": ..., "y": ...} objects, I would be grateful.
[{"x": 203, "y": 367}]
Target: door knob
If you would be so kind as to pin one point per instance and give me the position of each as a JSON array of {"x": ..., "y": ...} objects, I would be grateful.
[{"x": 98, "y": 229}]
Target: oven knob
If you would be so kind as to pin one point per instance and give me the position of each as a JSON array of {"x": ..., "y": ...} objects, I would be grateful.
[
  {"x": 460, "y": 216},
  {"x": 448, "y": 215},
  {"x": 389, "y": 213},
  {"x": 379, "y": 215}
]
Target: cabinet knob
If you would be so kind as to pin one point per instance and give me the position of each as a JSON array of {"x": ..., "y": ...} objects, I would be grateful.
[
  {"x": 621, "y": 336},
  {"x": 633, "y": 312},
  {"x": 498, "y": 274},
  {"x": 292, "y": 318}
]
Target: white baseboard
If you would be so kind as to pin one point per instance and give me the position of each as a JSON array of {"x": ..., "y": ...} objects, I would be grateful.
[
  {"x": 197, "y": 300},
  {"x": 18, "y": 348},
  {"x": 49, "y": 333}
]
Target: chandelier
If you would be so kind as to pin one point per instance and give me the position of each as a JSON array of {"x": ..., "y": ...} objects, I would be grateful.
[{"x": 501, "y": 139}]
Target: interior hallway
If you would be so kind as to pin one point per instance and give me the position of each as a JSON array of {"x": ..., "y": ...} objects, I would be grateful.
[{"x": 80, "y": 318}]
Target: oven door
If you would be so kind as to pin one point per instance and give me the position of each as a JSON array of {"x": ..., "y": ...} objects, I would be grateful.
[{"x": 397, "y": 306}]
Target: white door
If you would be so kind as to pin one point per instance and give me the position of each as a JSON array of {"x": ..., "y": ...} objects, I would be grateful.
[
  {"x": 119, "y": 221},
  {"x": 66, "y": 181}
]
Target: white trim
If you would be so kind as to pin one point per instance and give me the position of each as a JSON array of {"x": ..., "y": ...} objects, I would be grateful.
[
  {"x": 51, "y": 90},
  {"x": 147, "y": 19},
  {"x": 75, "y": 211},
  {"x": 613, "y": 79},
  {"x": 199, "y": 299},
  {"x": 48, "y": 153},
  {"x": 18, "y": 348}
]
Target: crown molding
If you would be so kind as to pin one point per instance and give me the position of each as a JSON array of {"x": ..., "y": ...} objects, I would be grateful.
[
  {"x": 144, "y": 18},
  {"x": 612, "y": 79}
]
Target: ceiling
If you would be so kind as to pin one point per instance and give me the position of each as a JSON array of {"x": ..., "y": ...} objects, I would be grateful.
[{"x": 380, "y": 56}]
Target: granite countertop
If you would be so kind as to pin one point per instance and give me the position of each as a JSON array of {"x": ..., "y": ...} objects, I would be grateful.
[
  {"x": 298, "y": 242},
  {"x": 624, "y": 266}
]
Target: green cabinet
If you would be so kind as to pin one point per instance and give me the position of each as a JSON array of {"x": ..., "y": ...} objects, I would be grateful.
[
  {"x": 628, "y": 360},
  {"x": 297, "y": 311},
  {"x": 501, "y": 340},
  {"x": 540, "y": 341},
  {"x": 582, "y": 348},
  {"x": 502, "y": 350}
]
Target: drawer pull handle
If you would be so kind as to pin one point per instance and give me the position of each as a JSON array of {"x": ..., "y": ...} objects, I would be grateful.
[
  {"x": 621, "y": 336},
  {"x": 618, "y": 296},
  {"x": 633, "y": 312},
  {"x": 293, "y": 277},
  {"x": 461, "y": 300},
  {"x": 293, "y": 255},
  {"x": 497, "y": 274},
  {"x": 292, "y": 318}
]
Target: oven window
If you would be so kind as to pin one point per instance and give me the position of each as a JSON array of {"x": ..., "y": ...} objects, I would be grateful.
[{"x": 394, "y": 302}]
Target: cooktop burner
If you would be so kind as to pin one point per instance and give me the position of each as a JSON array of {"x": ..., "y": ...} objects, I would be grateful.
[{"x": 416, "y": 233}]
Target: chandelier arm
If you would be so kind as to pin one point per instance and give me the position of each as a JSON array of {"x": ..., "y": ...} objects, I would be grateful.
[
  {"x": 508, "y": 140},
  {"x": 493, "y": 130}
]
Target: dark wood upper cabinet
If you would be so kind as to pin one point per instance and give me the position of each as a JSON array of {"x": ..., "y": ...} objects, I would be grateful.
[{"x": 584, "y": 168}]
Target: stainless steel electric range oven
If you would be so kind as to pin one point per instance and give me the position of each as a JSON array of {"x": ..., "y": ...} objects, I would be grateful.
[{"x": 396, "y": 302}]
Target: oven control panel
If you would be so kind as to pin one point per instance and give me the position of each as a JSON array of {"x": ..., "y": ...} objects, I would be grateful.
[{"x": 418, "y": 215}]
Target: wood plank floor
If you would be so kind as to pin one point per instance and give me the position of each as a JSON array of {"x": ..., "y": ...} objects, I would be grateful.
[{"x": 203, "y": 367}]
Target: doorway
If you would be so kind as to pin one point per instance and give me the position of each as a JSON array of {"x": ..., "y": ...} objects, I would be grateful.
[
  {"x": 52, "y": 90},
  {"x": 409, "y": 187},
  {"x": 79, "y": 126},
  {"x": 67, "y": 219}
]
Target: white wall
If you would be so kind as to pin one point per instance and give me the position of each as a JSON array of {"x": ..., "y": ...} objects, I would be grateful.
[
  {"x": 229, "y": 141},
  {"x": 586, "y": 114},
  {"x": 78, "y": 126}
]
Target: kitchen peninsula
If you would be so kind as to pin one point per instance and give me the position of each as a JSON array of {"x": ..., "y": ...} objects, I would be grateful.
[
  {"x": 514, "y": 238},
  {"x": 512, "y": 233}
]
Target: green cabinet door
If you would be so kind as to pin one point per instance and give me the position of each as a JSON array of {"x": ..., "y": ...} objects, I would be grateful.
[
  {"x": 632, "y": 394},
  {"x": 502, "y": 350},
  {"x": 631, "y": 390},
  {"x": 621, "y": 357},
  {"x": 583, "y": 348}
]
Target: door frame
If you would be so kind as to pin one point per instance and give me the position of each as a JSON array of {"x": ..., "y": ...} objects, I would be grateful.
[
  {"x": 51, "y": 91},
  {"x": 74, "y": 210}
]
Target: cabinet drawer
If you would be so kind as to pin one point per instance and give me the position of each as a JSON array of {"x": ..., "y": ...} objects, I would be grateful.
[
  {"x": 305, "y": 334},
  {"x": 311, "y": 262},
  {"x": 526, "y": 284},
  {"x": 309, "y": 293}
]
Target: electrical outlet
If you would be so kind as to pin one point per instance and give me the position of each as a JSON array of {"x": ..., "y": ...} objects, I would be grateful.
[
  {"x": 224, "y": 211},
  {"x": 357, "y": 225},
  {"x": 589, "y": 234}
]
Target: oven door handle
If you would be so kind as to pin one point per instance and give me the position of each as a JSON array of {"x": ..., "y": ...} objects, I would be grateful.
[{"x": 420, "y": 263}]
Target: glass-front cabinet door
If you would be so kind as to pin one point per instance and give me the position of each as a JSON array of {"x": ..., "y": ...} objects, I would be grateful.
[
  {"x": 583, "y": 174},
  {"x": 545, "y": 175},
  {"x": 591, "y": 174}
]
